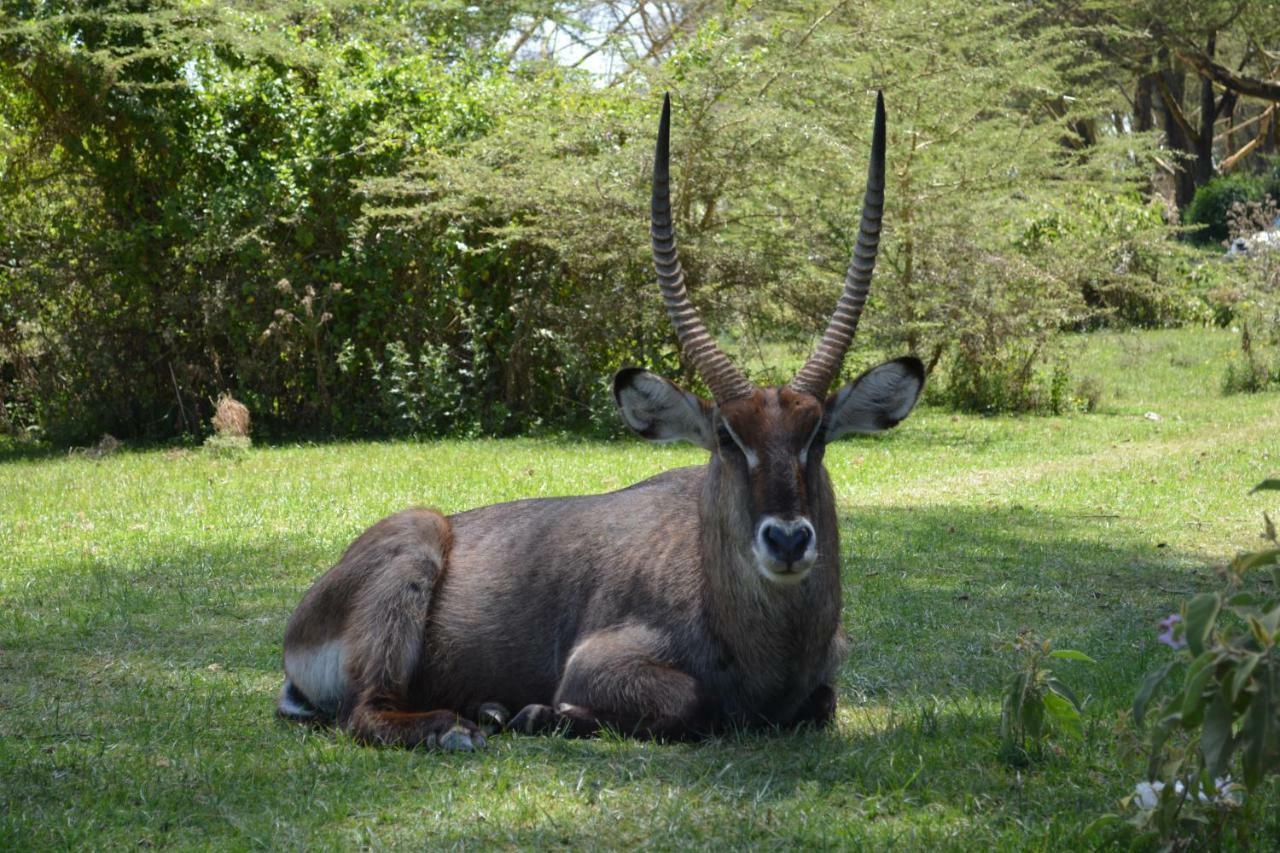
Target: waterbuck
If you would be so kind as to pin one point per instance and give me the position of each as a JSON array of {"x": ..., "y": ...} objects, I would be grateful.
[{"x": 701, "y": 598}]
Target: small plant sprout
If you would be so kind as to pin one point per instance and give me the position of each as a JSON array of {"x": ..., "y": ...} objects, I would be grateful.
[{"x": 1036, "y": 701}]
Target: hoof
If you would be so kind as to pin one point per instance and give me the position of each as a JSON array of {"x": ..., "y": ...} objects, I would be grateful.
[
  {"x": 492, "y": 718},
  {"x": 535, "y": 719},
  {"x": 459, "y": 739}
]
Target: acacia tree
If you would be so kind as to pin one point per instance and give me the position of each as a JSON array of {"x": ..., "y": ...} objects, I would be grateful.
[
  {"x": 366, "y": 217},
  {"x": 772, "y": 116},
  {"x": 1195, "y": 65}
]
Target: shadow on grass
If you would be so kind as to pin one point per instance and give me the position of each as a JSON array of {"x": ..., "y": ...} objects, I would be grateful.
[
  {"x": 157, "y": 657},
  {"x": 934, "y": 598}
]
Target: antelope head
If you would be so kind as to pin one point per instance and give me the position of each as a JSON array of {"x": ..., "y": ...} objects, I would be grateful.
[{"x": 769, "y": 442}]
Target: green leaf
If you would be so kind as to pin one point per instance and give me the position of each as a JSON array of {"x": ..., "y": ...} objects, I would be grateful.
[
  {"x": 1159, "y": 734},
  {"x": 1071, "y": 654},
  {"x": 1106, "y": 821},
  {"x": 1148, "y": 687},
  {"x": 1062, "y": 712},
  {"x": 1193, "y": 699},
  {"x": 1269, "y": 485},
  {"x": 1257, "y": 559},
  {"x": 1260, "y": 632},
  {"x": 1271, "y": 620},
  {"x": 1243, "y": 599},
  {"x": 1011, "y": 710},
  {"x": 1215, "y": 736},
  {"x": 1201, "y": 612},
  {"x": 1032, "y": 716},
  {"x": 1242, "y": 672},
  {"x": 1258, "y": 734},
  {"x": 1065, "y": 692}
]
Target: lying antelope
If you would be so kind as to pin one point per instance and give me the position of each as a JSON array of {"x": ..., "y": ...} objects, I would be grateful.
[{"x": 702, "y": 598}]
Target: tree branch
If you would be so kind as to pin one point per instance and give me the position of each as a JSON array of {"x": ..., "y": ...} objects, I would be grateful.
[
  {"x": 1175, "y": 110},
  {"x": 1230, "y": 162},
  {"x": 1228, "y": 79}
]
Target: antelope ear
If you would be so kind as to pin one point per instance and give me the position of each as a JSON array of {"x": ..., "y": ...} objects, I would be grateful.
[
  {"x": 876, "y": 400},
  {"x": 659, "y": 410}
]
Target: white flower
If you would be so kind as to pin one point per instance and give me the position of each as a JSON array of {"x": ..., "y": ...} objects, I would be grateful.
[
  {"x": 1146, "y": 795},
  {"x": 1229, "y": 793}
]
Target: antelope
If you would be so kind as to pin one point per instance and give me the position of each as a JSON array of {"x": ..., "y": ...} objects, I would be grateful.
[{"x": 701, "y": 599}]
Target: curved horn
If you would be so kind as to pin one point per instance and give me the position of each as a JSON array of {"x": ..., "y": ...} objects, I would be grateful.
[
  {"x": 725, "y": 381},
  {"x": 824, "y": 365}
]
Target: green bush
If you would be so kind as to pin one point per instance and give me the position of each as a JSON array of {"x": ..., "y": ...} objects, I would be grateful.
[
  {"x": 1215, "y": 739},
  {"x": 1253, "y": 300},
  {"x": 1213, "y": 201},
  {"x": 1116, "y": 250},
  {"x": 1037, "y": 704},
  {"x": 261, "y": 255},
  {"x": 363, "y": 225}
]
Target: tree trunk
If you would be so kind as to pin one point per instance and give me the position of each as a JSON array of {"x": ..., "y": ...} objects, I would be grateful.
[
  {"x": 1184, "y": 179},
  {"x": 1143, "y": 112},
  {"x": 1208, "y": 112}
]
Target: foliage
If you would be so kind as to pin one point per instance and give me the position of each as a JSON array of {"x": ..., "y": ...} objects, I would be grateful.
[
  {"x": 1115, "y": 249},
  {"x": 1256, "y": 367},
  {"x": 1036, "y": 701},
  {"x": 1253, "y": 300},
  {"x": 1188, "y": 64},
  {"x": 1220, "y": 726},
  {"x": 1213, "y": 202},
  {"x": 412, "y": 218},
  {"x": 239, "y": 264}
]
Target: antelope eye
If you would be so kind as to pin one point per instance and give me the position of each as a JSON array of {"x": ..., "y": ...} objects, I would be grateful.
[
  {"x": 729, "y": 439},
  {"x": 811, "y": 441},
  {"x": 726, "y": 440}
]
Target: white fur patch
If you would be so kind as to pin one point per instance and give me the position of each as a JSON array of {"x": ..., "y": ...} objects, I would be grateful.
[
  {"x": 318, "y": 673},
  {"x": 780, "y": 573},
  {"x": 289, "y": 707}
]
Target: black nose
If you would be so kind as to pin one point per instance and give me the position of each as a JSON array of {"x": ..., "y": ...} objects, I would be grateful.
[{"x": 787, "y": 543}]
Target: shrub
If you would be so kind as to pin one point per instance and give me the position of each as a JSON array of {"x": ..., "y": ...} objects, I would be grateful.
[
  {"x": 1254, "y": 302},
  {"x": 1217, "y": 735},
  {"x": 1255, "y": 368},
  {"x": 1116, "y": 250},
  {"x": 1212, "y": 203},
  {"x": 988, "y": 322}
]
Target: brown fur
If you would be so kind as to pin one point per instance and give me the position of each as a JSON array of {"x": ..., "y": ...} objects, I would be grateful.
[
  {"x": 636, "y": 605},
  {"x": 643, "y": 609}
]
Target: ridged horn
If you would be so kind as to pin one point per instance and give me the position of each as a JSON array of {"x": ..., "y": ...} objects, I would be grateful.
[
  {"x": 824, "y": 365},
  {"x": 722, "y": 377}
]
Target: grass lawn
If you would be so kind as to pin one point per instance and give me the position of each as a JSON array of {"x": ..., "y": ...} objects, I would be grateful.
[{"x": 143, "y": 597}]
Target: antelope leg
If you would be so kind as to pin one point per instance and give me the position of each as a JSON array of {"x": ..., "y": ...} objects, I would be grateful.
[
  {"x": 372, "y": 718},
  {"x": 618, "y": 679},
  {"x": 818, "y": 710}
]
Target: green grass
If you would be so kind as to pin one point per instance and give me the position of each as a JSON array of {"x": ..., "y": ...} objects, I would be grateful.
[{"x": 143, "y": 597}]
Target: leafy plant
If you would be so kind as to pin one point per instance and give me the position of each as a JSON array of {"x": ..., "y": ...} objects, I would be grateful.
[
  {"x": 1254, "y": 302},
  {"x": 1212, "y": 203},
  {"x": 1222, "y": 722},
  {"x": 1255, "y": 368},
  {"x": 1037, "y": 702}
]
